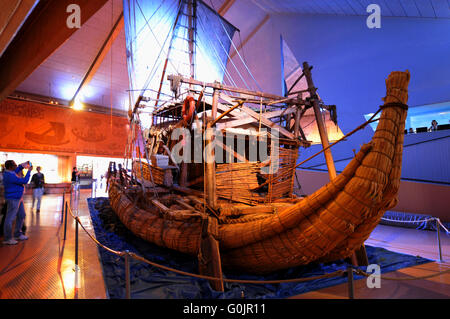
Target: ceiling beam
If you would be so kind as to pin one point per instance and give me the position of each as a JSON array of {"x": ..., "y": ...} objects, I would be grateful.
[
  {"x": 225, "y": 7},
  {"x": 12, "y": 16},
  {"x": 105, "y": 48},
  {"x": 255, "y": 30},
  {"x": 42, "y": 33}
]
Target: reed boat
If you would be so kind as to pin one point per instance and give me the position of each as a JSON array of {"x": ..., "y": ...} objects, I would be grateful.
[{"x": 229, "y": 199}]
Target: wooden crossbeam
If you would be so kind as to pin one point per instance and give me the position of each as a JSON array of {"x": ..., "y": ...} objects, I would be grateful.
[
  {"x": 227, "y": 112},
  {"x": 225, "y": 7},
  {"x": 267, "y": 122},
  {"x": 12, "y": 16},
  {"x": 219, "y": 86},
  {"x": 249, "y": 119},
  {"x": 41, "y": 34}
]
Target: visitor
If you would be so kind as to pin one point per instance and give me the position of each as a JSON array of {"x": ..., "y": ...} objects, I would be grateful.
[
  {"x": 411, "y": 130},
  {"x": 37, "y": 182},
  {"x": 14, "y": 189},
  {"x": 2, "y": 201},
  {"x": 434, "y": 126},
  {"x": 75, "y": 175}
]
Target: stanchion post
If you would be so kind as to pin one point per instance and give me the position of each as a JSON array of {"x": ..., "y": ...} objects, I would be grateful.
[
  {"x": 438, "y": 232},
  {"x": 351, "y": 294},
  {"x": 76, "y": 242},
  {"x": 71, "y": 190},
  {"x": 127, "y": 275},
  {"x": 62, "y": 206},
  {"x": 77, "y": 268},
  {"x": 65, "y": 221},
  {"x": 78, "y": 196}
]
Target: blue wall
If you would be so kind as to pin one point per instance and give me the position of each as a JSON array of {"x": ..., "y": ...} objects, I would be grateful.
[
  {"x": 352, "y": 61},
  {"x": 426, "y": 158}
]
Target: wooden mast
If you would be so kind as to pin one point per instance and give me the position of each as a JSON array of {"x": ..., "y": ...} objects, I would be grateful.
[
  {"x": 209, "y": 254},
  {"x": 319, "y": 121},
  {"x": 211, "y": 195},
  {"x": 168, "y": 54}
]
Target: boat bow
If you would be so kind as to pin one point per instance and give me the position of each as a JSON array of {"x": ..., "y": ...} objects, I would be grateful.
[{"x": 335, "y": 220}]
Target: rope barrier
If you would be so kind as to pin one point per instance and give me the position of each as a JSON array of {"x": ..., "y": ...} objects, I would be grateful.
[{"x": 418, "y": 221}]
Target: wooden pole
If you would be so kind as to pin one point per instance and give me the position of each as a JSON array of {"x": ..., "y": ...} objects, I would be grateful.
[
  {"x": 297, "y": 123},
  {"x": 219, "y": 86},
  {"x": 319, "y": 120},
  {"x": 191, "y": 34},
  {"x": 209, "y": 260},
  {"x": 167, "y": 57},
  {"x": 224, "y": 113},
  {"x": 211, "y": 195},
  {"x": 215, "y": 101}
]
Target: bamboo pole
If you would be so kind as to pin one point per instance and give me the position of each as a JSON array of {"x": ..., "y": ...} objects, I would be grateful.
[
  {"x": 210, "y": 169},
  {"x": 319, "y": 120},
  {"x": 228, "y": 88},
  {"x": 224, "y": 113}
]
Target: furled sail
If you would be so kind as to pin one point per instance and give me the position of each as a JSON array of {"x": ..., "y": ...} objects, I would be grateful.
[{"x": 180, "y": 37}]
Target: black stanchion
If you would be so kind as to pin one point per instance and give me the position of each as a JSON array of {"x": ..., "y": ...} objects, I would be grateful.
[
  {"x": 71, "y": 190},
  {"x": 438, "y": 233},
  {"x": 76, "y": 242},
  {"x": 62, "y": 208},
  {"x": 351, "y": 294},
  {"x": 65, "y": 221},
  {"x": 127, "y": 276},
  {"x": 77, "y": 268}
]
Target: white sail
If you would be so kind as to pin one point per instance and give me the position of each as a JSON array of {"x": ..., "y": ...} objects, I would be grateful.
[
  {"x": 291, "y": 71},
  {"x": 173, "y": 37}
]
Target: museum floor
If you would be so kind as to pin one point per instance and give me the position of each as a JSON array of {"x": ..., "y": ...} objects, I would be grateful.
[{"x": 43, "y": 266}]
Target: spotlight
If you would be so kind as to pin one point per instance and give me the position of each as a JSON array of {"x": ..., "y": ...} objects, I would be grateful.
[{"x": 77, "y": 105}]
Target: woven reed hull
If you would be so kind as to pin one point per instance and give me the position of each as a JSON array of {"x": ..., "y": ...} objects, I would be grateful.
[{"x": 325, "y": 226}]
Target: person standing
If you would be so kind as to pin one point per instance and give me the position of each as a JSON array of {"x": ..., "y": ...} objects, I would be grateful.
[
  {"x": 14, "y": 189},
  {"x": 75, "y": 175},
  {"x": 37, "y": 182},
  {"x": 434, "y": 126},
  {"x": 2, "y": 201}
]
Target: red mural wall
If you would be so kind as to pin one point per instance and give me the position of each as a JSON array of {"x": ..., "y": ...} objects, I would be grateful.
[{"x": 33, "y": 126}]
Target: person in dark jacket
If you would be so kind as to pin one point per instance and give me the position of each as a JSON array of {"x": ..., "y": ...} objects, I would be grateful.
[
  {"x": 37, "y": 183},
  {"x": 14, "y": 189},
  {"x": 75, "y": 175}
]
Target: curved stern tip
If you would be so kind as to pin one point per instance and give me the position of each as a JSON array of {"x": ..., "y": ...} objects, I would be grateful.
[{"x": 397, "y": 87}]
